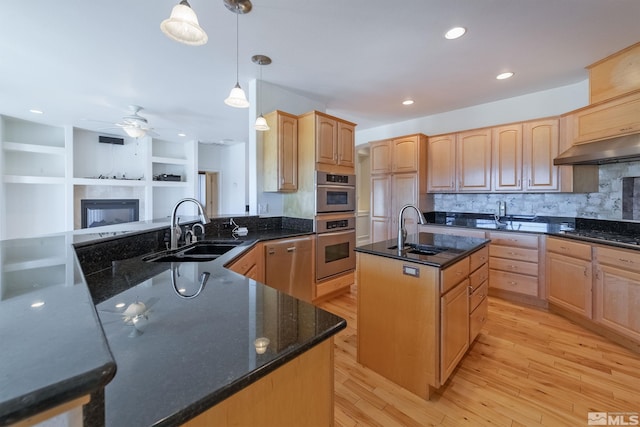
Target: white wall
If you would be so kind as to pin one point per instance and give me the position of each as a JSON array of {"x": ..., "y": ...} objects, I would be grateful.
[
  {"x": 273, "y": 97},
  {"x": 535, "y": 105},
  {"x": 230, "y": 163}
]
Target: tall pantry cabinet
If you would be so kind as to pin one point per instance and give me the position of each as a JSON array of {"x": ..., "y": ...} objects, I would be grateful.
[{"x": 398, "y": 177}]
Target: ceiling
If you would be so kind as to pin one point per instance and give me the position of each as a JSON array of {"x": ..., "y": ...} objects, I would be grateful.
[{"x": 83, "y": 62}]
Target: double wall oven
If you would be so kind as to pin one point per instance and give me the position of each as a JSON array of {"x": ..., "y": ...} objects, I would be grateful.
[{"x": 335, "y": 224}]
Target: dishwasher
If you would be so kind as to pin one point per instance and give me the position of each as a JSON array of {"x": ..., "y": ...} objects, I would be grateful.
[{"x": 289, "y": 266}]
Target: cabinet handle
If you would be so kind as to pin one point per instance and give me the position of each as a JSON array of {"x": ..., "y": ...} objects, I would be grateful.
[
  {"x": 511, "y": 253},
  {"x": 585, "y": 272},
  {"x": 564, "y": 248},
  {"x": 598, "y": 274},
  {"x": 529, "y": 182},
  {"x": 628, "y": 261},
  {"x": 626, "y": 129},
  {"x": 518, "y": 183},
  {"x": 513, "y": 267},
  {"x": 513, "y": 283},
  {"x": 291, "y": 249}
]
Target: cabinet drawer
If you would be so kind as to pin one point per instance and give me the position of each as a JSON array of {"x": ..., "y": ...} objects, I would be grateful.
[
  {"x": 477, "y": 319},
  {"x": 513, "y": 266},
  {"x": 478, "y": 295},
  {"x": 527, "y": 285},
  {"x": 478, "y": 258},
  {"x": 453, "y": 275},
  {"x": 569, "y": 248},
  {"x": 627, "y": 260},
  {"x": 508, "y": 252},
  {"x": 514, "y": 239},
  {"x": 479, "y": 276},
  {"x": 246, "y": 261}
]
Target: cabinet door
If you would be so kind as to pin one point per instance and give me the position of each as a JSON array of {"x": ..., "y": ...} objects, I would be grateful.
[
  {"x": 454, "y": 332},
  {"x": 380, "y": 207},
  {"x": 474, "y": 160},
  {"x": 380, "y": 157},
  {"x": 326, "y": 140},
  {"x": 404, "y": 190},
  {"x": 541, "y": 141},
  {"x": 507, "y": 158},
  {"x": 617, "y": 300},
  {"x": 346, "y": 144},
  {"x": 405, "y": 154},
  {"x": 441, "y": 161},
  {"x": 569, "y": 283},
  {"x": 620, "y": 116},
  {"x": 288, "y": 153}
]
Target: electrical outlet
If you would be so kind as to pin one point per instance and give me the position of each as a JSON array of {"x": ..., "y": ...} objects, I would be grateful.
[{"x": 263, "y": 208}]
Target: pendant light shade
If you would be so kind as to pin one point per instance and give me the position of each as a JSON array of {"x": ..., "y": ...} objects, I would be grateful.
[
  {"x": 237, "y": 98},
  {"x": 182, "y": 26},
  {"x": 261, "y": 124}
]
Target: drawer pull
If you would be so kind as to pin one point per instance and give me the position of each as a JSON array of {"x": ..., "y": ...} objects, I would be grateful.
[
  {"x": 564, "y": 248},
  {"x": 626, "y": 260},
  {"x": 513, "y": 267},
  {"x": 626, "y": 129},
  {"x": 513, "y": 283}
]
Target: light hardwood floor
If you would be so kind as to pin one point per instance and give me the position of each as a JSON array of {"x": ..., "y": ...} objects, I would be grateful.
[{"x": 528, "y": 367}]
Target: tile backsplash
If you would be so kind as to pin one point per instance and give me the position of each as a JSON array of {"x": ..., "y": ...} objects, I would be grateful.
[{"x": 605, "y": 204}]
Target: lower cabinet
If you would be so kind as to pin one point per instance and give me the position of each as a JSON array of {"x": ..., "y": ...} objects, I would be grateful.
[
  {"x": 454, "y": 328},
  {"x": 478, "y": 291},
  {"x": 250, "y": 264},
  {"x": 618, "y": 291},
  {"x": 514, "y": 263},
  {"x": 569, "y": 277}
]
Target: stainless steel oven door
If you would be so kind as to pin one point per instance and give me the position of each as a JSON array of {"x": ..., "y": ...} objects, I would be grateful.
[
  {"x": 335, "y": 253},
  {"x": 335, "y": 198}
]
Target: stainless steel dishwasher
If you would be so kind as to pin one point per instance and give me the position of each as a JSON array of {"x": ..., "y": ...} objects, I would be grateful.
[{"x": 289, "y": 266}]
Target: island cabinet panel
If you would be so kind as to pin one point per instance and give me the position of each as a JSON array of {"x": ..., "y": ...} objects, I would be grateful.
[
  {"x": 478, "y": 291},
  {"x": 514, "y": 263},
  {"x": 454, "y": 334},
  {"x": 569, "y": 275},
  {"x": 397, "y": 329},
  {"x": 299, "y": 393},
  {"x": 618, "y": 291}
]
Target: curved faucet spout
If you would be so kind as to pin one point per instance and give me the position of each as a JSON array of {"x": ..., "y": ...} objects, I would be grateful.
[
  {"x": 175, "y": 227},
  {"x": 402, "y": 232}
]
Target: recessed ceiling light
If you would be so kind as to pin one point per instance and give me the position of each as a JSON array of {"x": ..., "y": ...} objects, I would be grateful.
[
  {"x": 120, "y": 305},
  {"x": 407, "y": 102},
  {"x": 455, "y": 33},
  {"x": 37, "y": 304},
  {"x": 36, "y": 111},
  {"x": 182, "y": 134},
  {"x": 506, "y": 75}
]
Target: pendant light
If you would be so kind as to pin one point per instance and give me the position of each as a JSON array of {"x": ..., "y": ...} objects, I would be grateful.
[
  {"x": 182, "y": 26},
  {"x": 237, "y": 97},
  {"x": 261, "y": 122}
]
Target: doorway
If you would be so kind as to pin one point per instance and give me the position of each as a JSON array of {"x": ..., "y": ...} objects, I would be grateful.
[
  {"x": 209, "y": 192},
  {"x": 363, "y": 180}
]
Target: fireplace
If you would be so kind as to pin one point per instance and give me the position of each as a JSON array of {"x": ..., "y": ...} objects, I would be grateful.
[{"x": 99, "y": 212}]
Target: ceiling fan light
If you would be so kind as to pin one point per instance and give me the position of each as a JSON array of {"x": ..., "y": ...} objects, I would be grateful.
[
  {"x": 237, "y": 98},
  {"x": 182, "y": 26},
  {"x": 134, "y": 131},
  {"x": 261, "y": 124}
]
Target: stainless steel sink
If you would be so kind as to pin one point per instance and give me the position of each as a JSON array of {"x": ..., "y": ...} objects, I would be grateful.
[
  {"x": 197, "y": 252},
  {"x": 420, "y": 249}
]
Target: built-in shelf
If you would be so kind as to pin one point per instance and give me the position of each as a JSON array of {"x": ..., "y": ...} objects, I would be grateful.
[
  {"x": 169, "y": 160},
  {"x": 116, "y": 182},
  {"x": 169, "y": 184},
  {"x": 23, "y": 179},
  {"x": 33, "y": 148}
]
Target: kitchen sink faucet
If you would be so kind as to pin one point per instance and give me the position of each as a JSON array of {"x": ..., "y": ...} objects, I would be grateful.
[
  {"x": 175, "y": 227},
  {"x": 402, "y": 232}
]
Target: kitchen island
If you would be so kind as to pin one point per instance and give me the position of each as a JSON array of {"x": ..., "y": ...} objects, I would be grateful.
[
  {"x": 128, "y": 336},
  {"x": 420, "y": 307}
]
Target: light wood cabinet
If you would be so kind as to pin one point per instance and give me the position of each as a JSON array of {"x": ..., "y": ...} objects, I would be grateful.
[
  {"x": 454, "y": 332},
  {"x": 507, "y": 158},
  {"x": 333, "y": 139},
  {"x": 569, "y": 275},
  {"x": 513, "y": 263},
  {"x": 618, "y": 291},
  {"x": 441, "y": 164},
  {"x": 453, "y": 231},
  {"x": 615, "y": 75},
  {"x": 397, "y": 178},
  {"x": 616, "y": 117},
  {"x": 541, "y": 140},
  {"x": 250, "y": 264},
  {"x": 474, "y": 161},
  {"x": 280, "y": 152}
]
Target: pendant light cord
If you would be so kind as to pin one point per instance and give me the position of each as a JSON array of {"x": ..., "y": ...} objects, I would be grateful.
[{"x": 237, "y": 47}]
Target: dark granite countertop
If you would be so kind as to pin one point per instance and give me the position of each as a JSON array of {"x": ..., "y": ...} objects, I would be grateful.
[
  {"x": 453, "y": 248},
  {"x": 181, "y": 357}
]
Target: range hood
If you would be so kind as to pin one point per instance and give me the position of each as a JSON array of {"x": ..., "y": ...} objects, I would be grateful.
[{"x": 615, "y": 150}]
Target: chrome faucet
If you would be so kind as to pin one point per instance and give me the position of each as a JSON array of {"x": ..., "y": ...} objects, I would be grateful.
[
  {"x": 402, "y": 232},
  {"x": 175, "y": 227}
]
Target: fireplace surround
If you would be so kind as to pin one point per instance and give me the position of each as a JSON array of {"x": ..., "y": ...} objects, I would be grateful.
[{"x": 100, "y": 212}]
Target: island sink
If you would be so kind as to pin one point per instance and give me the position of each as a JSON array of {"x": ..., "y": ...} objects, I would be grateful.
[
  {"x": 197, "y": 252},
  {"x": 420, "y": 249}
]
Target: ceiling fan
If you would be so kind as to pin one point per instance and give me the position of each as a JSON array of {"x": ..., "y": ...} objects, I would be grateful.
[{"x": 134, "y": 125}]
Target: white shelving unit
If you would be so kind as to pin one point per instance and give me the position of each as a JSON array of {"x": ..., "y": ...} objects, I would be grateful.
[{"x": 46, "y": 170}]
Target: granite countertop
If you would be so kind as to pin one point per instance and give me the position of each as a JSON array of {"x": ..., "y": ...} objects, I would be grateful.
[
  {"x": 451, "y": 248},
  {"x": 181, "y": 357}
]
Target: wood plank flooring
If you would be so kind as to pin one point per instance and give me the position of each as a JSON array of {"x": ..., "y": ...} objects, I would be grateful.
[{"x": 528, "y": 367}]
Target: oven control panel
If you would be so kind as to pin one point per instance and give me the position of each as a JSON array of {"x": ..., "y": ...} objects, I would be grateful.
[{"x": 333, "y": 223}]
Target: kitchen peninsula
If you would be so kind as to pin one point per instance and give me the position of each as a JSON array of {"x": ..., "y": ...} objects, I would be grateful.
[
  {"x": 127, "y": 336},
  {"x": 420, "y": 307}
]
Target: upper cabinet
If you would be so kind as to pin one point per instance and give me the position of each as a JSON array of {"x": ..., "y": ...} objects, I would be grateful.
[
  {"x": 474, "y": 160},
  {"x": 507, "y": 158},
  {"x": 334, "y": 141},
  {"x": 441, "y": 164},
  {"x": 280, "y": 152},
  {"x": 540, "y": 143},
  {"x": 615, "y": 75},
  {"x": 397, "y": 155}
]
